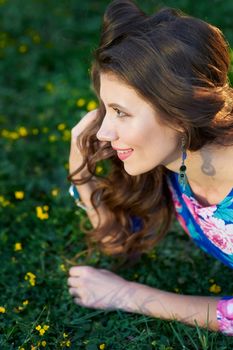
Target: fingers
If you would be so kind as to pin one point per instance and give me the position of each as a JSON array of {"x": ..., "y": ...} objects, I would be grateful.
[
  {"x": 79, "y": 301},
  {"x": 74, "y": 292},
  {"x": 75, "y": 271},
  {"x": 73, "y": 282},
  {"x": 78, "y": 271}
]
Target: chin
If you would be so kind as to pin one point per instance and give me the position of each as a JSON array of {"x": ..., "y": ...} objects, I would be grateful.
[
  {"x": 135, "y": 172},
  {"x": 131, "y": 172}
]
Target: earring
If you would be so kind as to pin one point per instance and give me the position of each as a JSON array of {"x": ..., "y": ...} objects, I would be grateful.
[{"x": 182, "y": 178}]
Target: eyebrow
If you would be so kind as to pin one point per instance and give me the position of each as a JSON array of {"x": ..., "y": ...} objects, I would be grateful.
[{"x": 117, "y": 106}]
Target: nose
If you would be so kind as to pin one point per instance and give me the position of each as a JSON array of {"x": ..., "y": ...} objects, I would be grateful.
[{"x": 107, "y": 130}]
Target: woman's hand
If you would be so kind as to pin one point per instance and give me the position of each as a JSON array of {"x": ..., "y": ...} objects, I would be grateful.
[
  {"x": 75, "y": 158},
  {"x": 98, "y": 288}
]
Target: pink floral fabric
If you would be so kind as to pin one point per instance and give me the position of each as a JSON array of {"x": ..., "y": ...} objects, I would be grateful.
[
  {"x": 211, "y": 228},
  {"x": 219, "y": 232},
  {"x": 225, "y": 315}
]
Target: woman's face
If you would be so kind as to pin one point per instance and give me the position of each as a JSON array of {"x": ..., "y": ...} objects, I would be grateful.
[{"x": 132, "y": 127}]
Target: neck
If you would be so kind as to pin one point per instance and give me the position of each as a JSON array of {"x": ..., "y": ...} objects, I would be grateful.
[{"x": 209, "y": 167}]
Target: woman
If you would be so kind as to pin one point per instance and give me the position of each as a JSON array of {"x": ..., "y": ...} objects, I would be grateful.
[{"x": 165, "y": 122}]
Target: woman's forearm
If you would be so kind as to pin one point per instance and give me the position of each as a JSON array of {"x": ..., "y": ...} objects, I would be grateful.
[
  {"x": 191, "y": 310},
  {"x": 86, "y": 190}
]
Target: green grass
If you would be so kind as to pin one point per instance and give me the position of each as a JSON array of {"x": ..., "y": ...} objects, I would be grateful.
[{"x": 45, "y": 54}]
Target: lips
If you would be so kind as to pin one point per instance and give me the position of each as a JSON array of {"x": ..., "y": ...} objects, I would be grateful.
[
  {"x": 124, "y": 153},
  {"x": 121, "y": 149}
]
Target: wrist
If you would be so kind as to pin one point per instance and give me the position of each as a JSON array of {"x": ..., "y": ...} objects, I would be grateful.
[
  {"x": 124, "y": 301},
  {"x": 137, "y": 297},
  {"x": 74, "y": 165},
  {"x": 148, "y": 301},
  {"x": 79, "y": 176}
]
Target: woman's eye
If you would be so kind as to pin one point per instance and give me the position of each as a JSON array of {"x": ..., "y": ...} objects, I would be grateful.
[{"x": 119, "y": 113}]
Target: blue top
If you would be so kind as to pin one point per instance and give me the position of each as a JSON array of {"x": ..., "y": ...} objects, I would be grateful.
[{"x": 211, "y": 227}]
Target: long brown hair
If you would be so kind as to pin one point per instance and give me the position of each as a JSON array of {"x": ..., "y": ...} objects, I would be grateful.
[{"x": 179, "y": 64}]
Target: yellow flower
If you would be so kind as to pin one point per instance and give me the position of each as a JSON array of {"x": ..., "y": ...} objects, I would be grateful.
[
  {"x": 66, "y": 135},
  {"x": 215, "y": 288},
  {"x": 32, "y": 282},
  {"x": 49, "y": 87},
  {"x": 33, "y": 347},
  {"x": 45, "y": 207},
  {"x": 40, "y": 214},
  {"x": 99, "y": 170},
  {"x": 23, "y": 131},
  {"x": 80, "y": 102},
  {"x": 55, "y": 192},
  {"x": 31, "y": 275},
  {"x": 102, "y": 346},
  {"x": 52, "y": 138},
  {"x": 43, "y": 343},
  {"x": 2, "y": 310},
  {"x": 17, "y": 246},
  {"x": 42, "y": 332},
  {"x": 23, "y": 48},
  {"x": 65, "y": 335},
  {"x": 66, "y": 343},
  {"x": 62, "y": 267},
  {"x": 91, "y": 105},
  {"x": 31, "y": 278},
  {"x": 19, "y": 194},
  {"x": 25, "y": 302},
  {"x": 61, "y": 126},
  {"x": 13, "y": 135}
]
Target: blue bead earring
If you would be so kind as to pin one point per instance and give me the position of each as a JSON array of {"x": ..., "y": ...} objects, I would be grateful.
[{"x": 182, "y": 178}]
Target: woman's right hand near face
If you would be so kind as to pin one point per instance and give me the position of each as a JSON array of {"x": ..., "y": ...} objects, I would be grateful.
[{"x": 75, "y": 157}]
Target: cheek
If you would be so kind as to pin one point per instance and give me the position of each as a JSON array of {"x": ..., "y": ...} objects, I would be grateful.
[
  {"x": 131, "y": 135},
  {"x": 151, "y": 138},
  {"x": 157, "y": 143}
]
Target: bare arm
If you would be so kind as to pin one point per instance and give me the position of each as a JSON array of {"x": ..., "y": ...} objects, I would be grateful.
[
  {"x": 85, "y": 192},
  {"x": 170, "y": 306},
  {"x": 114, "y": 292}
]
